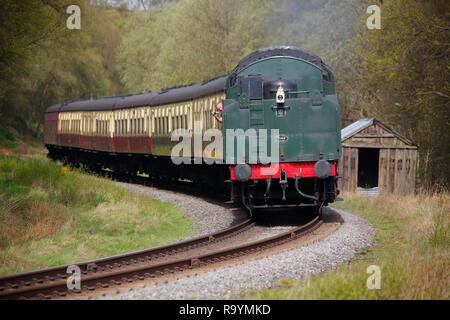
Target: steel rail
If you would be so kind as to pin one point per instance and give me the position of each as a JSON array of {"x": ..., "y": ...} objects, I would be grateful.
[
  {"x": 20, "y": 282},
  {"x": 105, "y": 278}
]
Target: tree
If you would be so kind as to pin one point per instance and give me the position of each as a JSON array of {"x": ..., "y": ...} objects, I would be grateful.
[
  {"x": 405, "y": 67},
  {"x": 45, "y": 63},
  {"x": 189, "y": 41}
]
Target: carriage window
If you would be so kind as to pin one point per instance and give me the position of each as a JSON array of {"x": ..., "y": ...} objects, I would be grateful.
[{"x": 166, "y": 124}]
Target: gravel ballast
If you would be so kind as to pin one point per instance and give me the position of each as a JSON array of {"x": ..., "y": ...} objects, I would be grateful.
[
  {"x": 341, "y": 246},
  {"x": 208, "y": 216}
]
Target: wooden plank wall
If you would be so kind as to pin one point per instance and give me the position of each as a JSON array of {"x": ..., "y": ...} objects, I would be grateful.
[
  {"x": 397, "y": 162},
  {"x": 348, "y": 169},
  {"x": 396, "y": 173}
]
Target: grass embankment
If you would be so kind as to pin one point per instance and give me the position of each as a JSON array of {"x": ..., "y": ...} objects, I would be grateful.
[
  {"x": 51, "y": 215},
  {"x": 411, "y": 247}
]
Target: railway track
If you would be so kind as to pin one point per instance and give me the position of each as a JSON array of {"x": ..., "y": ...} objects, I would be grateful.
[{"x": 140, "y": 265}]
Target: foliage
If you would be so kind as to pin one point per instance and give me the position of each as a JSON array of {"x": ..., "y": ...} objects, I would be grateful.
[
  {"x": 46, "y": 63},
  {"x": 404, "y": 75},
  {"x": 189, "y": 41}
]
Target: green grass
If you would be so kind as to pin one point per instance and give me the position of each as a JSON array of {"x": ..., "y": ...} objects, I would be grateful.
[
  {"x": 51, "y": 215},
  {"x": 411, "y": 247}
]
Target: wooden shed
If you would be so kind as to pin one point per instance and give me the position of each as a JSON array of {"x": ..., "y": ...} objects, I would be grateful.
[{"x": 375, "y": 159}]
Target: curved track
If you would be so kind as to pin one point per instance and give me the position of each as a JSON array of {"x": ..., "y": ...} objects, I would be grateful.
[{"x": 115, "y": 270}]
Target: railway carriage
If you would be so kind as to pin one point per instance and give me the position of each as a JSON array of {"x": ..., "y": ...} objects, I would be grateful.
[{"x": 284, "y": 90}]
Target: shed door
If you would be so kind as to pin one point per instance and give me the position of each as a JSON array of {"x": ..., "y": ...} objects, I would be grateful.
[{"x": 368, "y": 160}]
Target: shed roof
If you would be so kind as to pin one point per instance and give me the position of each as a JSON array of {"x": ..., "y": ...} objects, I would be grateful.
[{"x": 357, "y": 126}]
